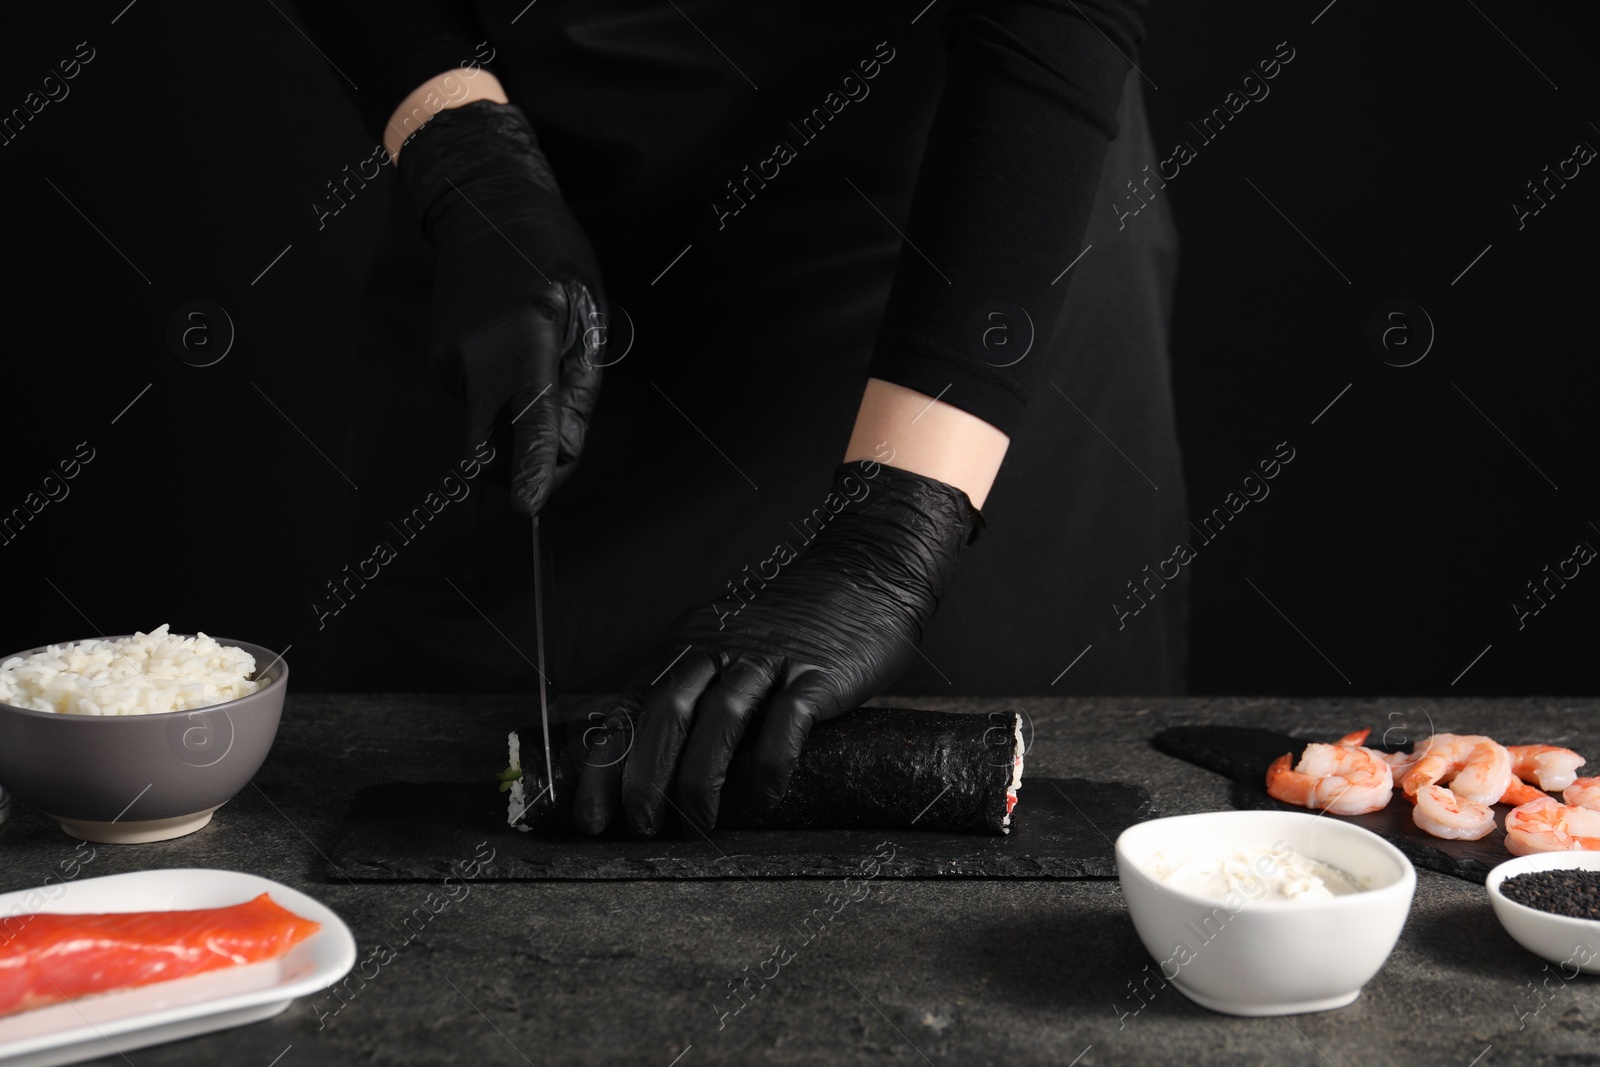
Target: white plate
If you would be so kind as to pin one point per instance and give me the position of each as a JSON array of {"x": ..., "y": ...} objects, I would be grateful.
[{"x": 112, "y": 1023}]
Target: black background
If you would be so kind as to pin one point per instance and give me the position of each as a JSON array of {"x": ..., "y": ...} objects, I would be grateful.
[{"x": 196, "y": 138}]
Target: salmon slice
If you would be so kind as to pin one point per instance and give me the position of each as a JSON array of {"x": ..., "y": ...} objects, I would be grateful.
[{"x": 48, "y": 957}]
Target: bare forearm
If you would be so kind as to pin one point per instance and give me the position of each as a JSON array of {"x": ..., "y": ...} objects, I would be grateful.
[
  {"x": 927, "y": 437},
  {"x": 450, "y": 89}
]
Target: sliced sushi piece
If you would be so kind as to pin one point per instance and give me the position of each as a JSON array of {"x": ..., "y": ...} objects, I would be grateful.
[
  {"x": 872, "y": 768},
  {"x": 48, "y": 957}
]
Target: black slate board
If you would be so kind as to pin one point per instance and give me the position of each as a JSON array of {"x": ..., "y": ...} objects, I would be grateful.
[
  {"x": 1244, "y": 754},
  {"x": 1062, "y": 828}
]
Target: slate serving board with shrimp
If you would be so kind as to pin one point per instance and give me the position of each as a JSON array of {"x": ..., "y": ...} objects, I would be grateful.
[
  {"x": 1061, "y": 828},
  {"x": 1244, "y": 754}
]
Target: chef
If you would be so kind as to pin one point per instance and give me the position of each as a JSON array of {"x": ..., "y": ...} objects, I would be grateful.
[{"x": 819, "y": 257}]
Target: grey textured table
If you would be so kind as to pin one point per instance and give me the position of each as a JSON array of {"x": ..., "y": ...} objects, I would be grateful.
[{"x": 917, "y": 971}]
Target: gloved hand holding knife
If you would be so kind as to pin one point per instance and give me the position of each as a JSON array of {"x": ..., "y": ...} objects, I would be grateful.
[
  {"x": 517, "y": 292},
  {"x": 517, "y": 297}
]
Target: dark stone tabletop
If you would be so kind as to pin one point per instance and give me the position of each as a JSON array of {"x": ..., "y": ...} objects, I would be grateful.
[{"x": 916, "y": 971}]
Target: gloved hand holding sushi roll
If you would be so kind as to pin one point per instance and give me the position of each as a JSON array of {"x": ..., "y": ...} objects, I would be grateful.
[
  {"x": 839, "y": 623},
  {"x": 516, "y": 289}
]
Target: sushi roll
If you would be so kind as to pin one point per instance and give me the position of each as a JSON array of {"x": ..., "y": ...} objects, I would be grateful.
[
  {"x": 531, "y": 802},
  {"x": 872, "y": 768}
]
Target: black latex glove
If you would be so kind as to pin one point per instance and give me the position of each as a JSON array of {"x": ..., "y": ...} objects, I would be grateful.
[
  {"x": 836, "y": 625},
  {"x": 516, "y": 294}
]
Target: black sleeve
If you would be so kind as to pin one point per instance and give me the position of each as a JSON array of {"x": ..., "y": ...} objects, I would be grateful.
[
  {"x": 1002, "y": 201},
  {"x": 383, "y": 49}
]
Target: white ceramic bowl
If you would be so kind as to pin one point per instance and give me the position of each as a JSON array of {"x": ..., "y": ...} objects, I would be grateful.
[
  {"x": 124, "y": 779},
  {"x": 1561, "y": 939},
  {"x": 1266, "y": 957}
]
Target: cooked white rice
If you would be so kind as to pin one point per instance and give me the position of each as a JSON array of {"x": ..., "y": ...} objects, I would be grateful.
[
  {"x": 139, "y": 675},
  {"x": 1019, "y": 748},
  {"x": 516, "y": 803}
]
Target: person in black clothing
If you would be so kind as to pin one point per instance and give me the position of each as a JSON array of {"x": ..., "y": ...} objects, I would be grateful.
[{"x": 819, "y": 226}]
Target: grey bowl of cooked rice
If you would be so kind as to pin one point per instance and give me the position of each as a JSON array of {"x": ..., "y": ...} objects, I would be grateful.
[{"x": 137, "y": 738}]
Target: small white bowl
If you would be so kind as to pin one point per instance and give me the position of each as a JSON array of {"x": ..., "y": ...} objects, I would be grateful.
[
  {"x": 1266, "y": 957},
  {"x": 1561, "y": 939}
]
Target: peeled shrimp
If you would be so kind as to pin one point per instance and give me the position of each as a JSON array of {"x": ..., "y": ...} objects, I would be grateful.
[
  {"x": 1475, "y": 768},
  {"x": 1343, "y": 778},
  {"x": 1583, "y": 793},
  {"x": 1549, "y": 826},
  {"x": 1444, "y": 814},
  {"x": 1359, "y": 739},
  {"x": 1520, "y": 792},
  {"x": 1551, "y": 767},
  {"x": 1399, "y": 762}
]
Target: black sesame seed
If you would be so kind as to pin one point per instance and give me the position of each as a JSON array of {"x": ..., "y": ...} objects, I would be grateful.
[{"x": 1562, "y": 892}]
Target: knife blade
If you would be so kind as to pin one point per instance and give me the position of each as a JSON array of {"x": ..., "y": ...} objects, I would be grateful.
[{"x": 538, "y": 631}]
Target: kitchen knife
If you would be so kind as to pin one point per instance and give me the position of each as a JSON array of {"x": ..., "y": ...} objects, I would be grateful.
[{"x": 538, "y": 632}]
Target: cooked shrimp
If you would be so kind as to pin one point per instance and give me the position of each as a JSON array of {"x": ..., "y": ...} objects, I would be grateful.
[
  {"x": 1474, "y": 767},
  {"x": 1486, "y": 774},
  {"x": 1583, "y": 793},
  {"x": 1358, "y": 738},
  {"x": 1546, "y": 825},
  {"x": 1551, "y": 767},
  {"x": 1444, "y": 814},
  {"x": 1520, "y": 792},
  {"x": 1343, "y": 778},
  {"x": 1399, "y": 762},
  {"x": 1427, "y": 765}
]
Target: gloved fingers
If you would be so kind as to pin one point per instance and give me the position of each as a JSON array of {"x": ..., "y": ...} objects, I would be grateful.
[
  {"x": 490, "y": 368},
  {"x": 581, "y": 360},
  {"x": 790, "y": 715},
  {"x": 534, "y": 405},
  {"x": 534, "y": 437},
  {"x": 719, "y": 723},
  {"x": 605, "y": 746},
  {"x": 598, "y": 799},
  {"x": 504, "y": 354},
  {"x": 608, "y": 738},
  {"x": 664, "y": 721}
]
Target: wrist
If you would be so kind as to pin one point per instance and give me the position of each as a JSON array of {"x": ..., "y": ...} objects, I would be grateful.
[
  {"x": 906, "y": 429},
  {"x": 482, "y": 150},
  {"x": 869, "y": 493},
  {"x": 439, "y": 93}
]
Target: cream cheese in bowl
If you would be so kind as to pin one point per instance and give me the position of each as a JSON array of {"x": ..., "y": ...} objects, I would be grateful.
[
  {"x": 1264, "y": 912},
  {"x": 1278, "y": 873}
]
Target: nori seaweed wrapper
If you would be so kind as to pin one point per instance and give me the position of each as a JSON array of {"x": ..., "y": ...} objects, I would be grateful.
[{"x": 872, "y": 768}]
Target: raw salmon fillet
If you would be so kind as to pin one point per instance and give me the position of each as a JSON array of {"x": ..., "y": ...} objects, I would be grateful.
[{"x": 48, "y": 957}]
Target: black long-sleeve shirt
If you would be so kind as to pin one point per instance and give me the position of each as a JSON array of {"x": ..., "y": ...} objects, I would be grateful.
[{"x": 1002, "y": 198}]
